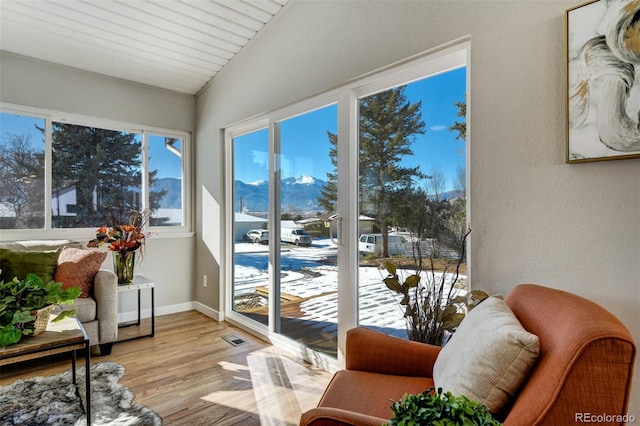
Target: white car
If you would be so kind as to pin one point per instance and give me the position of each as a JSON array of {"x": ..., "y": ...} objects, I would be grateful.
[
  {"x": 372, "y": 243},
  {"x": 296, "y": 236},
  {"x": 257, "y": 236}
]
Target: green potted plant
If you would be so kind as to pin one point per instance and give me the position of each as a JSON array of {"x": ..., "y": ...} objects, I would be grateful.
[
  {"x": 440, "y": 408},
  {"x": 21, "y": 299}
]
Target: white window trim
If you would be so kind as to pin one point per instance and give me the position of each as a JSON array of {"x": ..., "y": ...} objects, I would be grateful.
[{"x": 50, "y": 116}]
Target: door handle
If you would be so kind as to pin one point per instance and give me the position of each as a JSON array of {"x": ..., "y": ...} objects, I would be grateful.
[{"x": 338, "y": 223}]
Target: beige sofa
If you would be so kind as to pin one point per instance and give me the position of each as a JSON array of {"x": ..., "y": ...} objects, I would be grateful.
[{"x": 98, "y": 313}]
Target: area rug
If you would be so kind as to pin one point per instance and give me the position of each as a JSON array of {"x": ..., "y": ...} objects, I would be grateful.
[{"x": 53, "y": 400}]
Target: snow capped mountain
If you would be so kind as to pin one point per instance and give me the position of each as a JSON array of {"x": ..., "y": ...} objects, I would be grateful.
[{"x": 298, "y": 193}]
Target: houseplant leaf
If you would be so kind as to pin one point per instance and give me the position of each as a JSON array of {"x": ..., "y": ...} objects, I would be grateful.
[
  {"x": 439, "y": 408},
  {"x": 18, "y": 298},
  {"x": 412, "y": 281},
  {"x": 393, "y": 283}
]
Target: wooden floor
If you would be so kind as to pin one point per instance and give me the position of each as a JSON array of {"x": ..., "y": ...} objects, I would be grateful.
[{"x": 189, "y": 375}]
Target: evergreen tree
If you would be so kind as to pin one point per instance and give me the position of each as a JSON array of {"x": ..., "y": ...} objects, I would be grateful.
[
  {"x": 103, "y": 167},
  {"x": 388, "y": 124},
  {"x": 459, "y": 218},
  {"x": 329, "y": 192},
  {"x": 460, "y": 126}
]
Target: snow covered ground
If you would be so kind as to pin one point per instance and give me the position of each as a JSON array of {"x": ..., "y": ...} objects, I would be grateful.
[{"x": 311, "y": 273}]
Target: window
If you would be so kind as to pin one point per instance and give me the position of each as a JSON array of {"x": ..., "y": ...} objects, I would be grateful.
[
  {"x": 97, "y": 173},
  {"x": 412, "y": 163},
  {"x": 22, "y": 162},
  {"x": 166, "y": 198}
]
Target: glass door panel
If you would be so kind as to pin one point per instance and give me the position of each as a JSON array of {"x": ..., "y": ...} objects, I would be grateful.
[
  {"x": 250, "y": 294},
  {"x": 412, "y": 198},
  {"x": 308, "y": 276}
]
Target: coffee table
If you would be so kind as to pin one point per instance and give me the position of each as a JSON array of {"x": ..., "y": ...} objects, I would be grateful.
[{"x": 63, "y": 336}]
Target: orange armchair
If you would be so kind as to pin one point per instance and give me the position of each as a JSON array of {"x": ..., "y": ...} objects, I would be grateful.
[
  {"x": 379, "y": 368},
  {"x": 585, "y": 366}
]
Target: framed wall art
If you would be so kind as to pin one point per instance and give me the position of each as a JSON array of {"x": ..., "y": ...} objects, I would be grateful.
[{"x": 603, "y": 80}]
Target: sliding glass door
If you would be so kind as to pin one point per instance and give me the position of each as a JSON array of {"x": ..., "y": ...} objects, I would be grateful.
[
  {"x": 323, "y": 193},
  {"x": 412, "y": 195},
  {"x": 308, "y": 278},
  {"x": 250, "y": 235}
]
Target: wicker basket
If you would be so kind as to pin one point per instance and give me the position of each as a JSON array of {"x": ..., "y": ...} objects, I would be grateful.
[{"x": 42, "y": 319}]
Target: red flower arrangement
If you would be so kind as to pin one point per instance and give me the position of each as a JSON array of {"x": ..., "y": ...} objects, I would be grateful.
[{"x": 123, "y": 238}]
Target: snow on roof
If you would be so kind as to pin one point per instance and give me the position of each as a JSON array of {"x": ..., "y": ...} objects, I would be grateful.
[{"x": 242, "y": 217}]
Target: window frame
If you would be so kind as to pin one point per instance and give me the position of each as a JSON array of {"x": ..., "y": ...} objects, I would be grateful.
[{"x": 50, "y": 116}]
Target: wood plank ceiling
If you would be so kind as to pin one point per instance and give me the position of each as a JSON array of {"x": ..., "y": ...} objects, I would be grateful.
[{"x": 173, "y": 44}]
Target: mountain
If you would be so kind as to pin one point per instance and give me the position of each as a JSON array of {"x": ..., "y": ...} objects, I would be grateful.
[
  {"x": 299, "y": 194},
  {"x": 447, "y": 195},
  {"x": 173, "y": 198}
]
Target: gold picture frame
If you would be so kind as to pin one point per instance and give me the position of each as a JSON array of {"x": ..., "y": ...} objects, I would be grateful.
[{"x": 603, "y": 93}]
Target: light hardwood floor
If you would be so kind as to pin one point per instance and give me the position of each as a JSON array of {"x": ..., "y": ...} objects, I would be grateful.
[{"x": 189, "y": 375}]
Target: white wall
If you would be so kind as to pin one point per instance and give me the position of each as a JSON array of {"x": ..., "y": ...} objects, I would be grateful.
[
  {"x": 39, "y": 84},
  {"x": 534, "y": 218}
]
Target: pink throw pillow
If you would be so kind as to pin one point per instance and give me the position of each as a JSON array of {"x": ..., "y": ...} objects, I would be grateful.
[{"x": 77, "y": 267}]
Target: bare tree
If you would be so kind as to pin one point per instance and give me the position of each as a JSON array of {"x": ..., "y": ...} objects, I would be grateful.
[
  {"x": 21, "y": 180},
  {"x": 460, "y": 182},
  {"x": 437, "y": 183}
]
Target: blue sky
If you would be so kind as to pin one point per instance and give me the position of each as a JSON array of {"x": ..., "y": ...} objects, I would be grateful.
[
  {"x": 21, "y": 125},
  {"x": 305, "y": 144},
  {"x": 165, "y": 161}
]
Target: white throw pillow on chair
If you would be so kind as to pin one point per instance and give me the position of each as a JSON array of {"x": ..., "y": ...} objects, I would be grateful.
[{"x": 488, "y": 357}]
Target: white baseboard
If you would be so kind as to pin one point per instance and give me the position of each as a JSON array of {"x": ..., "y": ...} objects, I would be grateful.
[
  {"x": 206, "y": 310},
  {"x": 169, "y": 309}
]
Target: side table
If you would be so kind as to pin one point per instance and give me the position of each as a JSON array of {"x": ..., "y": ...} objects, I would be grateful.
[{"x": 140, "y": 283}]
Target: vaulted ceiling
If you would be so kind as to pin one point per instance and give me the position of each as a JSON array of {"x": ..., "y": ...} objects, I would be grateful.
[{"x": 173, "y": 44}]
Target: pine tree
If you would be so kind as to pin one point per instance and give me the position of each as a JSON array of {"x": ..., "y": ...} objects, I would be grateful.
[
  {"x": 103, "y": 167},
  {"x": 329, "y": 192},
  {"x": 388, "y": 125},
  {"x": 460, "y": 126}
]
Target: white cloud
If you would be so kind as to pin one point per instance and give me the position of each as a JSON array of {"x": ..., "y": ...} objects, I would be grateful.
[
  {"x": 438, "y": 127},
  {"x": 261, "y": 158},
  {"x": 305, "y": 179}
]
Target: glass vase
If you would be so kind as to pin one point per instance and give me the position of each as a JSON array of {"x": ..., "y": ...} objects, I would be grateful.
[{"x": 123, "y": 263}]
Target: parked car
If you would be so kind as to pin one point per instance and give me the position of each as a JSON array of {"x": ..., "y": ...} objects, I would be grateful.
[
  {"x": 372, "y": 243},
  {"x": 295, "y": 236},
  {"x": 257, "y": 236}
]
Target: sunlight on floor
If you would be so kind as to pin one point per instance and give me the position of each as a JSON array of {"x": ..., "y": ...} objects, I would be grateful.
[{"x": 281, "y": 388}]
